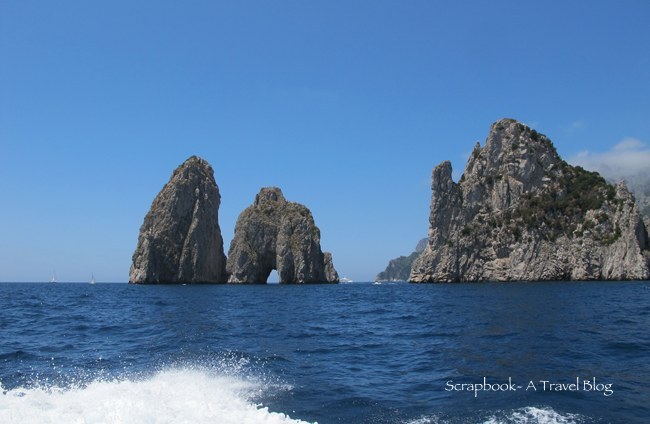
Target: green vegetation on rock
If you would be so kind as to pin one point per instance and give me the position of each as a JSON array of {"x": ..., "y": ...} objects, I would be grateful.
[
  {"x": 561, "y": 209},
  {"x": 521, "y": 213}
]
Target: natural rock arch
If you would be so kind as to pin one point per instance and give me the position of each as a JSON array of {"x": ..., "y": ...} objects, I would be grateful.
[{"x": 276, "y": 234}]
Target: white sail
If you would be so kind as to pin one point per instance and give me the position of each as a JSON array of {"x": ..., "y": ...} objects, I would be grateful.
[{"x": 92, "y": 279}]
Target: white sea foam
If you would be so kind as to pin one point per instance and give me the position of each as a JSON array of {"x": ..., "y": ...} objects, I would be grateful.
[
  {"x": 424, "y": 420},
  {"x": 178, "y": 395},
  {"x": 526, "y": 415},
  {"x": 533, "y": 415}
]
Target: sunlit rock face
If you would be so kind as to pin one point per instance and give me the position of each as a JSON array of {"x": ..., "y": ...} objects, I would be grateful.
[
  {"x": 276, "y": 234},
  {"x": 180, "y": 240},
  {"x": 520, "y": 212}
]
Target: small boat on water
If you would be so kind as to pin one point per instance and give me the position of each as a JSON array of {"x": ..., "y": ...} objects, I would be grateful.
[
  {"x": 92, "y": 279},
  {"x": 53, "y": 280}
]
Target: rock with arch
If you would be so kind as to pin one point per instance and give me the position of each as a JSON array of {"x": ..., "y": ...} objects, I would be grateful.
[{"x": 276, "y": 234}]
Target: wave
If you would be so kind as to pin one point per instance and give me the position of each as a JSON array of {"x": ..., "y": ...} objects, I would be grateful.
[
  {"x": 525, "y": 415},
  {"x": 177, "y": 395},
  {"x": 533, "y": 415}
]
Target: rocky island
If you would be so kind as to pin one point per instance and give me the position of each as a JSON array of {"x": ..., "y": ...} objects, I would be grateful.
[
  {"x": 399, "y": 269},
  {"x": 180, "y": 240},
  {"x": 276, "y": 234},
  {"x": 520, "y": 212}
]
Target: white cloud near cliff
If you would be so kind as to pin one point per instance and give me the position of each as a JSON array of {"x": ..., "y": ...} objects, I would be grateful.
[{"x": 630, "y": 157}]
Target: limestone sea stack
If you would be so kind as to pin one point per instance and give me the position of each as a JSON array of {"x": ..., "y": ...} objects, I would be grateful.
[
  {"x": 276, "y": 234},
  {"x": 520, "y": 212},
  {"x": 180, "y": 240}
]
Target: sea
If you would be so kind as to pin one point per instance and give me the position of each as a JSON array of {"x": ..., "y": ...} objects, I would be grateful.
[{"x": 541, "y": 352}]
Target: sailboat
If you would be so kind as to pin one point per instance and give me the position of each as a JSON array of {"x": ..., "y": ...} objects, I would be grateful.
[
  {"x": 92, "y": 279},
  {"x": 53, "y": 280}
]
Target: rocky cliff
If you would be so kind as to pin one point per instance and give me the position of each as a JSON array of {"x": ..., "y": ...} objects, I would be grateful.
[
  {"x": 520, "y": 212},
  {"x": 180, "y": 239},
  {"x": 276, "y": 234},
  {"x": 399, "y": 269},
  {"x": 639, "y": 185}
]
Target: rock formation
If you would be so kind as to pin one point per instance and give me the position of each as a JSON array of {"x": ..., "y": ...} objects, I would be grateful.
[
  {"x": 520, "y": 212},
  {"x": 639, "y": 185},
  {"x": 399, "y": 269},
  {"x": 276, "y": 234},
  {"x": 180, "y": 239}
]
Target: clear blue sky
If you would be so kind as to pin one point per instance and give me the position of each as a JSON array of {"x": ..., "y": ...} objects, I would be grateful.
[{"x": 345, "y": 105}]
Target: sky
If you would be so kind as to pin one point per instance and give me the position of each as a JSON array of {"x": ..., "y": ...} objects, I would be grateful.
[{"x": 345, "y": 105}]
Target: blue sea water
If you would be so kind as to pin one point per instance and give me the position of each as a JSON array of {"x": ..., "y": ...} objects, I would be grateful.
[{"x": 347, "y": 353}]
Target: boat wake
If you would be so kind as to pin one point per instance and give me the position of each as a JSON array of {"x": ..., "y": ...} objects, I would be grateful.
[
  {"x": 526, "y": 415},
  {"x": 531, "y": 414},
  {"x": 177, "y": 395}
]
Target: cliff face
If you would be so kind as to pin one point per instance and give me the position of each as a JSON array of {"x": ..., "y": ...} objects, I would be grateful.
[
  {"x": 276, "y": 234},
  {"x": 520, "y": 212},
  {"x": 399, "y": 269},
  {"x": 180, "y": 240},
  {"x": 639, "y": 185}
]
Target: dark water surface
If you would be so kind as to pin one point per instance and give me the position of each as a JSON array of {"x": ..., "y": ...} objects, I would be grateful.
[{"x": 348, "y": 353}]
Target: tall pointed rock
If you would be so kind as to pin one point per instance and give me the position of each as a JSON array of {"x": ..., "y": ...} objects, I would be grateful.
[{"x": 180, "y": 240}]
